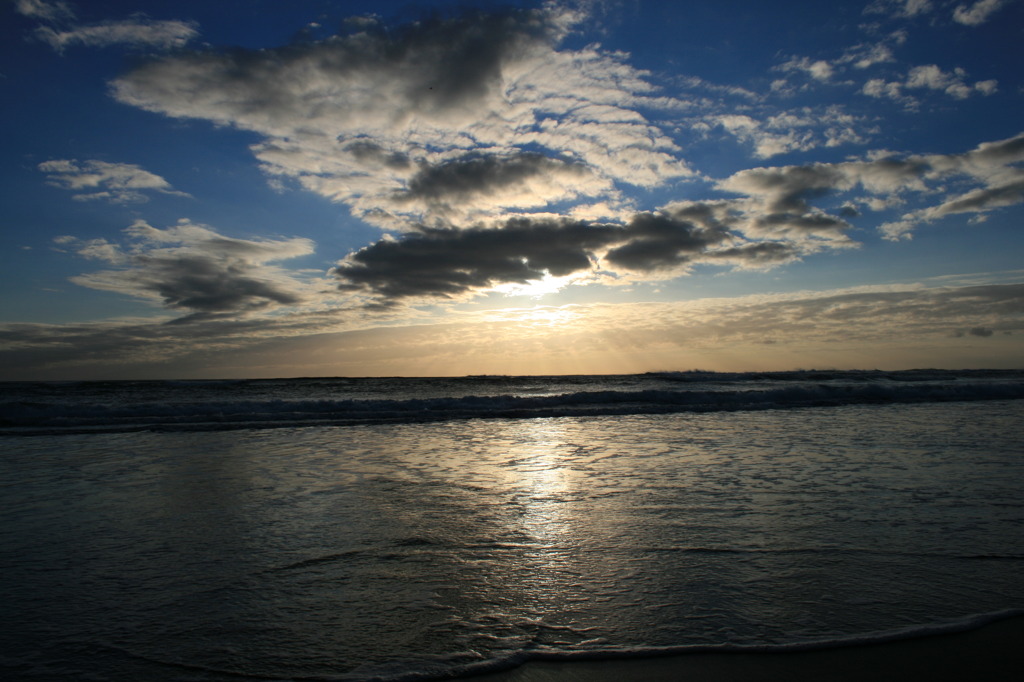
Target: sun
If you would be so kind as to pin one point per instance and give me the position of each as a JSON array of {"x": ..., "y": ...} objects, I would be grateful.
[{"x": 535, "y": 288}]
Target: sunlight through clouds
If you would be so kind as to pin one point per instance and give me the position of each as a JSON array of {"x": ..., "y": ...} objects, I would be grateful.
[{"x": 380, "y": 172}]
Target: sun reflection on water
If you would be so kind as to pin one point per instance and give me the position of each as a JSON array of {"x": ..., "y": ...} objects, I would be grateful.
[{"x": 546, "y": 488}]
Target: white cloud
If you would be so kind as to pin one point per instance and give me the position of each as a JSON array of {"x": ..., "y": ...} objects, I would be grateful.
[
  {"x": 428, "y": 96},
  {"x": 796, "y": 130},
  {"x": 934, "y": 78},
  {"x": 41, "y": 9},
  {"x": 978, "y": 13},
  {"x": 62, "y": 31},
  {"x": 878, "y": 87},
  {"x": 899, "y": 8},
  {"x": 989, "y": 87},
  {"x": 114, "y": 182},
  {"x": 929, "y": 77},
  {"x": 819, "y": 70},
  {"x": 865, "y": 56},
  {"x": 139, "y": 31}
]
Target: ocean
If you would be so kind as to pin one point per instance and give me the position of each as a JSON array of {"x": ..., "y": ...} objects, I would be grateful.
[{"x": 419, "y": 529}]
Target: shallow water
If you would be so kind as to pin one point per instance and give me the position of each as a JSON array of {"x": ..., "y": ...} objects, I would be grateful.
[{"x": 348, "y": 552}]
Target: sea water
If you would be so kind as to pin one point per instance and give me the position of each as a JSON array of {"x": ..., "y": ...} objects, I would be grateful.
[{"x": 415, "y": 529}]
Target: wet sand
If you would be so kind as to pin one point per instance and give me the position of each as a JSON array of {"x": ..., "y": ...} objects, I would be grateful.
[{"x": 994, "y": 652}]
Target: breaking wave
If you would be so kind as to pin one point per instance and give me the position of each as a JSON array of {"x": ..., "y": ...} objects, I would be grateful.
[{"x": 99, "y": 407}]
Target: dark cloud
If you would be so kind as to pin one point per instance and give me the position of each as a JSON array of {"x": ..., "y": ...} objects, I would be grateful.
[
  {"x": 460, "y": 59},
  {"x": 786, "y": 189},
  {"x": 810, "y": 223},
  {"x": 464, "y": 179},
  {"x": 980, "y": 331},
  {"x": 1000, "y": 152},
  {"x": 662, "y": 241},
  {"x": 450, "y": 262},
  {"x": 371, "y": 152},
  {"x": 760, "y": 254},
  {"x": 191, "y": 268},
  {"x": 430, "y": 67},
  {"x": 206, "y": 285},
  {"x": 984, "y": 199},
  {"x": 780, "y": 198}
]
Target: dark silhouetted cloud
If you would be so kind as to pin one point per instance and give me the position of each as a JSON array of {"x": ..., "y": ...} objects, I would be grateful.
[
  {"x": 451, "y": 262},
  {"x": 191, "y": 268},
  {"x": 659, "y": 241}
]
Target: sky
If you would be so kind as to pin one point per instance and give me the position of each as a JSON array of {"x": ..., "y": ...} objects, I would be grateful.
[{"x": 251, "y": 188}]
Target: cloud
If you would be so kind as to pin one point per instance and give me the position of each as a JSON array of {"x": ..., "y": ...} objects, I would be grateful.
[
  {"x": 780, "y": 214},
  {"x": 797, "y": 130},
  {"x": 859, "y": 57},
  {"x": 820, "y": 69},
  {"x": 845, "y": 71},
  {"x": 781, "y": 198},
  {"x": 902, "y": 326},
  {"x": 191, "y": 268},
  {"x": 448, "y": 262},
  {"x": 991, "y": 166},
  {"x": 139, "y": 31},
  {"x": 375, "y": 118},
  {"x": 980, "y": 200},
  {"x": 117, "y": 183},
  {"x": 779, "y": 205},
  {"x": 899, "y": 8},
  {"x": 929, "y": 77},
  {"x": 455, "y": 263},
  {"x": 865, "y": 56},
  {"x": 62, "y": 30},
  {"x": 667, "y": 240},
  {"x": 978, "y": 13},
  {"x": 486, "y": 184},
  {"x": 41, "y": 9}
]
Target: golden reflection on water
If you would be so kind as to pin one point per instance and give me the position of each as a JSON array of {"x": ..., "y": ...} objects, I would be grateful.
[
  {"x": 550, "y": 578},
  {"x": 546, "y": 483}
]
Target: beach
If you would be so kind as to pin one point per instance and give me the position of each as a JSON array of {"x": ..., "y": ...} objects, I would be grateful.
[{"x": 991, "y": 653}]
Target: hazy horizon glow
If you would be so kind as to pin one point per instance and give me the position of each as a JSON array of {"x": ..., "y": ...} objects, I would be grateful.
[{"x": 369, "y": 189}]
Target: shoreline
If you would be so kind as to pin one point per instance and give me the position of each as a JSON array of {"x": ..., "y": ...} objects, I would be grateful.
[{"x": 992, "y": 652}]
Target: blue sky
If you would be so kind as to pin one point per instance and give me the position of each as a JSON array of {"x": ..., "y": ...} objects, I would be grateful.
[{"x": 248, "y": 189}]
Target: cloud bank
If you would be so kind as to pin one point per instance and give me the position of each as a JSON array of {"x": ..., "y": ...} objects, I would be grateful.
[{"x": 977, "y": 325}]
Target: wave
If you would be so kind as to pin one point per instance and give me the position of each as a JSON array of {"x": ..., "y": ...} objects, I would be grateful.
[
  {"x": 456, "y": 669},
  {"x": 676, "y": 393}
]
